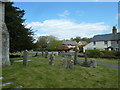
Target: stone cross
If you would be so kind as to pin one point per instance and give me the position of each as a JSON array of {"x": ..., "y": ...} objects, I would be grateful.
[
  {"x": 4, "y": 38},
  {"x": 25, "y": 56},
  {"x": 51, "y": 60}
]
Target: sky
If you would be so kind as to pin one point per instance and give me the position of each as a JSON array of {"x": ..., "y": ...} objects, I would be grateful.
[{"x": 66, "y": 20}]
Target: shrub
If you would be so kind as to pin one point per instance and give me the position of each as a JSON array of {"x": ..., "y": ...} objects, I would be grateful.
[
  {"x": 103, "y": 54},
  {"x": 93, "y": 53}
]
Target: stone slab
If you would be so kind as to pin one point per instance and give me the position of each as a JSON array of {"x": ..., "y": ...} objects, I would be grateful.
[
  {"x": 21, "y": 60},
  {"x": 6, "y": 84}
]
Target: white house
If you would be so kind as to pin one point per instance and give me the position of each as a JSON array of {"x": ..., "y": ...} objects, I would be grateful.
[{"x": 105, "y": 41}]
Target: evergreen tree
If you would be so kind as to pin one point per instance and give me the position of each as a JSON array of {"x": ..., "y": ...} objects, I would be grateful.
[{"x": 20, "y": 36}]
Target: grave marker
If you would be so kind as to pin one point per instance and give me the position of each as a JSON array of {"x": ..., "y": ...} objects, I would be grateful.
[{"x": 25, "y": 56}]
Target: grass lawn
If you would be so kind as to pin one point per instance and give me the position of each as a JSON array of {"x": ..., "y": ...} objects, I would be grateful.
[
  {"x": 112, "y": 61},
  {"x": 38, "y": 74}
]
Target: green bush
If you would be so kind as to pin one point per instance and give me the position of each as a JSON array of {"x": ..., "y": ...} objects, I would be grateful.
[
  {"x": 103, "y": 54},
  {"x": 93, "y": 53}
]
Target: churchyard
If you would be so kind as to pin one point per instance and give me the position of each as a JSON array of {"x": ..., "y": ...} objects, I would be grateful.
[
  {"x": 40, "y": 73},
  {"x": 35, "y": 69}
]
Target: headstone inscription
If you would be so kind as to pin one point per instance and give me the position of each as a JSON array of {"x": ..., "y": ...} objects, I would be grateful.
[{"x": 25, "y": 57}]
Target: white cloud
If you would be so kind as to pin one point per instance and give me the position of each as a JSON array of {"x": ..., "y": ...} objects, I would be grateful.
[
  {"x": 65, "y": 29},
  {"x": 64, "y": 14}
]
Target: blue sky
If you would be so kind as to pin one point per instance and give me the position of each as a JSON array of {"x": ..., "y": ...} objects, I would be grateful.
[{"x": 70, "y": 19}]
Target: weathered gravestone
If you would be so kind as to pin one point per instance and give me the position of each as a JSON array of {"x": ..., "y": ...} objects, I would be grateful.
[
  {"x": 25, "y": 56},
  {"x": 63, "y": 63},
  {"x": 4, "y": 38},
  {"x": 51, "y": 59},
  {"x": 70, "y": 64},
  {"x": 46, "y": 54},
  {"x": 75, "y": 55},
  {"x": 91, "y": 63}
]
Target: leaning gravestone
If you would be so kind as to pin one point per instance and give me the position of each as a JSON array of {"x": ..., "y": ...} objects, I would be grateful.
[
  {"x": 25, "y": 56},
  {"x": 51, "y": 60},
  {"x": 4, "y": 38}
]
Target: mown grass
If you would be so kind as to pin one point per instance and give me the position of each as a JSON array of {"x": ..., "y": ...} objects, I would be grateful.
[
  {"x": 112, "y": 61},
  {"x": 38, "y": 74}
]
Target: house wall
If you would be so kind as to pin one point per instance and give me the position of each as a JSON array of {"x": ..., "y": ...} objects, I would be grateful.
[
  {"x": 119, "y": 45},
  {"x": 115, "y": 44},
  {"x": 99, "y": 45}
]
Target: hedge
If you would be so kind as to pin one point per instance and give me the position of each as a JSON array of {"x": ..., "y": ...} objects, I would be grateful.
[{"x": 103, "y": 54}]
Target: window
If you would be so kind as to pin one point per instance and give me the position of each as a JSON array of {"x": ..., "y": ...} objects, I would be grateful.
[
  {"x": 117, "y": 49},
  {"x": 105, "y": 42},
  {"x": 94, "y": 43}
]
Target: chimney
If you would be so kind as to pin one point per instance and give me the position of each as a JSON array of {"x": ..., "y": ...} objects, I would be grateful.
[{"x": 114, "y": 30}]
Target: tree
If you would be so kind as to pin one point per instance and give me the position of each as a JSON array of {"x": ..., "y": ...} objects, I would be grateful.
[
  {"x": 77, "y": 39},
  {"x": 54, "y": 45},
  {"x": 48, "y": 42},
  {"x": 42, "y": 42},
  {"x": 21, "y": 38}
]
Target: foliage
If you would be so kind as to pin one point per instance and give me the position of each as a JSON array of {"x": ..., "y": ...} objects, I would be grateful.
[
  {"x": 93, "y": 53},
  {"x": 77, "y": 39},
  {"x": 103, "y": 54},
  {"x": 20, "y": 36},
  {"x": 48, "y": 43},
  {"x": 81, "y": 48},
  {"x": 53, "y": 45}
]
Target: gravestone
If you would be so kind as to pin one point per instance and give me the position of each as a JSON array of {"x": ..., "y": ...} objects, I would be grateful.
[
  {"x": 46, "y": 54},
  {"x": 4, "y": 38},
  {"x": 63, "y": 63},
  {"x": 51, "y": 59},
  {"x": 25, "y": 56},
  {"x": 70, "y": 64},
  {"x": 63, "y": 53},
  {"x": 75, "y": 54},
  {"x": 93, "y": 64}
]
